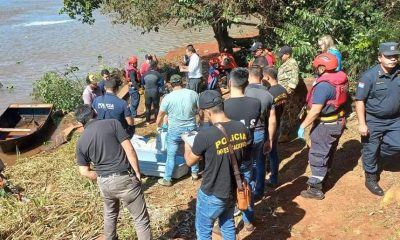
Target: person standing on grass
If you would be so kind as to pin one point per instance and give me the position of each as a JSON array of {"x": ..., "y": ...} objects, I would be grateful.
[
  {"x": 152, "y": 81},
  {"x": 181, "y": 107},
  {"x": 105, "y": 74},
  {"x": 91, "y": 91},
  {"x": 215, "y": 198},
  {"x": 193, "y": 69},
  {"x": 246, "y": 110},
  {"x": 105, "y": 144}
]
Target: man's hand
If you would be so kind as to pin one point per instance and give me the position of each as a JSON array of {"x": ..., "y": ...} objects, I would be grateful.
[
  {"x": 138, "y": 176},
  {"x": 290, "y": 91},
  {"x": 300, "y": 133},
  {"x": 363, "y": 129},
  {"x": 267, "y": 147}
]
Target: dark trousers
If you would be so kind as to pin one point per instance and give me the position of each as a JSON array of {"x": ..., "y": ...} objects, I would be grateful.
[
  {"x": 152, "y": 97},
  {"x": 194, "y": 84},
  {"x": 135, "y": 99},
  {"x": 383, "y": 139},
  {"x": 324, "y": 141}
]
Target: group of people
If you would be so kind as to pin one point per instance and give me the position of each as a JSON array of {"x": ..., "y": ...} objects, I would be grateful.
[{"x": 249, "y": 122}]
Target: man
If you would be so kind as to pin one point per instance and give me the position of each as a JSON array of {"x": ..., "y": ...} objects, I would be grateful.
[
  {"x": 153, "y": 82},
  {"x": 193, "y": 70},
  {"x": 288, "y": 77},
  {"x": 105, "y": 74},
  {"x": 145, "y": 67},
  {"x": 326, "y": 100},
  {"x": 280, "y": 98},
  {"x": 378, "y": 111},
  {"x": 109, "y": 106},
  {"x": 215, "y": 198},
  {"x": 133, "y": 76},
  {"x": 91, "y": 91},
  {"x": 222, "y": 64},
  {"x": 181, "y": 107},
  {"x": 265, "y": 128},
  {"x": 106, "y": 145},
  {"x": 246, "y": 110},
  {"x": 257, "y": 51}
]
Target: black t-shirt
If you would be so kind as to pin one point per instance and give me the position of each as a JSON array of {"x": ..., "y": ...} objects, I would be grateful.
[
  {"x": 152, "y": 80},
  {"x": 218, "y": 177},
  {"x": 100, "y": 143},
  {"x": 280, "y": 98}
]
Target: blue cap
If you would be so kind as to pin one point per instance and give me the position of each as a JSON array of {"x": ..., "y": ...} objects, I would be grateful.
[{"x": 389, "y": 48}]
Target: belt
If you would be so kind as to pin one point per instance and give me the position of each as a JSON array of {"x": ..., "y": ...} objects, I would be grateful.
[
  {"x": 123, "y": 173},
  {"x": 333, "y": 118}
]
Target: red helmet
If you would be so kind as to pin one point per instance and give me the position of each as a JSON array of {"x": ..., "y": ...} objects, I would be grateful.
[
  {"x": 329, "y": 61},
  {"x": 132, "y": 60}
]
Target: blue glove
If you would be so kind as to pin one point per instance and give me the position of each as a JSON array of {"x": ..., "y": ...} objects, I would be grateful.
[
  {"x": 164, "y": 126},
  {"x": 300, "y": 133}
]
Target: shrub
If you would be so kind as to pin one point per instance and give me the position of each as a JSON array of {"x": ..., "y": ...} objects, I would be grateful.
[{"x": 58, "y": 89}]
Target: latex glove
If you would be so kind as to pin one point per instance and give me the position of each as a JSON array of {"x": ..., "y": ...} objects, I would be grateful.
[
  {"x": 164, "y": 126},
  {"x": 300, "y": 133}
]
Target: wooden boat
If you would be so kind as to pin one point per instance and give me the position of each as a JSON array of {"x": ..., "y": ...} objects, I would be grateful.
[{"x": 24, "y": 125}]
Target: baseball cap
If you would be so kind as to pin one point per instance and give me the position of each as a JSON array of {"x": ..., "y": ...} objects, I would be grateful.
[
  {"x": 176, "y": 78},
  {"x": 209, "y": 99},
  {"x": 255, "y": 46},
  {"x": 389, "y": 48},
  {"x": 110, "y": 84},
  {"x": 285, "y": 50}
]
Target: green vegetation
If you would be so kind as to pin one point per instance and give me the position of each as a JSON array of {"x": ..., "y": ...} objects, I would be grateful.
[{"x": 60, "y": 89}]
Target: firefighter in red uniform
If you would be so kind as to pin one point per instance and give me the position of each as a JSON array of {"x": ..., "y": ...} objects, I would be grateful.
[
  {"x": 219, "y": 66},
  {"x": 326, "y": 113}
]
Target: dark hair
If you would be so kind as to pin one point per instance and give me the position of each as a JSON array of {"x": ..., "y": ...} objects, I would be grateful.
[
  {"x": 270, "y": 71},
  {"x": 105, "y": 72},
  {"x": 217, "y": 108},
  {"x": 239, "y": 77},
  {"x": 190, "y": 48},
  {"x": 256, "y": 71},
  {"x": 84, "y": 113},
  {"x": 260, "y": 61},
  {"x": 153, "y": 65},
  {"x": 176, "y": 84}
]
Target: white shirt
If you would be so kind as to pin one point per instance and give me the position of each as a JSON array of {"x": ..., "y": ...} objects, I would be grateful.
[{"x": 194, "y": 66}]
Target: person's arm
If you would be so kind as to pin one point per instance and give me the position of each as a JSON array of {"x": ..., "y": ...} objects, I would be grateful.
[
  {"x": 293, "y": 77},
  {"x": 86, "y": 97},
  {"x": 362, "y": 124},
  {"x": 132, "y": 157},
  {"x": 160, "y": 118},
  {"x": 190, "y": 158},
  {"x": 183, "y": 68},
  {"x": 312, "y": 115},
  {"x": 130, "y": 120},
  {"x": 87, "y": 172},
  {"x": 271, "y": 130}
]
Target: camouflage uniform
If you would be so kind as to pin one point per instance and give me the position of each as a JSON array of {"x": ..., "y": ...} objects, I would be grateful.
[{"x": 288, "y": 77}]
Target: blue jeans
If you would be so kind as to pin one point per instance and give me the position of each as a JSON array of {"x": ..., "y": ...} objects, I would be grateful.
[
  {"x": 208, "y": 209},
  {"x": 135, "y": 99},
  {"x": 274, "y": 159},
  {"x": 173, "y": 141},
  {"x": 246, "y": 168},
  {"x": 258, "y": 159}
]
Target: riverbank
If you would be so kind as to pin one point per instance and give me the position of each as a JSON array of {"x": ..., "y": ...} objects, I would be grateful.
[{"x": 63, "y": 205}]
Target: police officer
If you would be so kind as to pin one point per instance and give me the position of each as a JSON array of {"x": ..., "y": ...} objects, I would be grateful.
[
  {"x": 326, "y": 100},
  {"x": 378, "y": 111},
  {"x": 109, "y": 106}
]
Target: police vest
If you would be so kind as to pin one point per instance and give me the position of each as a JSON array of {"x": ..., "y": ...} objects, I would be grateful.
[{"x": 337, "y": 80}]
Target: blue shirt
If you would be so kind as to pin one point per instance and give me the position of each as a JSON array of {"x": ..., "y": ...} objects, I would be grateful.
[
  {"x": 181, "y": 107},
  {"x": 109, "y": 106},
  {"x": 323, "y": 92},
  {"x": 380, "y": 92}
]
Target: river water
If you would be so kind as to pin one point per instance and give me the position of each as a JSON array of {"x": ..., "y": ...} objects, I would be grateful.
[{"x": 34, "y": 39}]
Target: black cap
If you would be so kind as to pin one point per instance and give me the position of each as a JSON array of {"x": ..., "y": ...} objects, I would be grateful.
[
  {"x": 389, "y": 48},
  {"x": 255, "y": 46},
  {"x": 110, "y": 84},
  {"x": 209, "y": 99},
  {"x": 285, "y": 50},
  {"x": 176, "y": 78}
]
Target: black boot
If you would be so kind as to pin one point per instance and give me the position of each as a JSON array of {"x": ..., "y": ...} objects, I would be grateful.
[
  {"x": 314, "y": 192},
  {"x": 371, "y": 182}
]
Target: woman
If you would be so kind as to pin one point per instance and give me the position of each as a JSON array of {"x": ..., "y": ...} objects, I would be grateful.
[
  {"x": 326, "y": 44},
  {"x": 91, "y": 91}
]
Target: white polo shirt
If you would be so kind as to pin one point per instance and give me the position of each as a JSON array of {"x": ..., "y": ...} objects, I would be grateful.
[{"x": 194, "y": 66}]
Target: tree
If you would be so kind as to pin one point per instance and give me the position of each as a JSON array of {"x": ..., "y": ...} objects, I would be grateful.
[{"x": 150, "y": 15}]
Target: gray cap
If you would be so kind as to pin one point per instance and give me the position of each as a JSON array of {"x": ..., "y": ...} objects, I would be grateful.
[
  {"x": 255, "y": 46},
  {"x": 209, "y": 99},
  {"x": 176, "y": 78},
  {"x": 389, "y": 48},
  {"x": 285, "y": 50}
]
